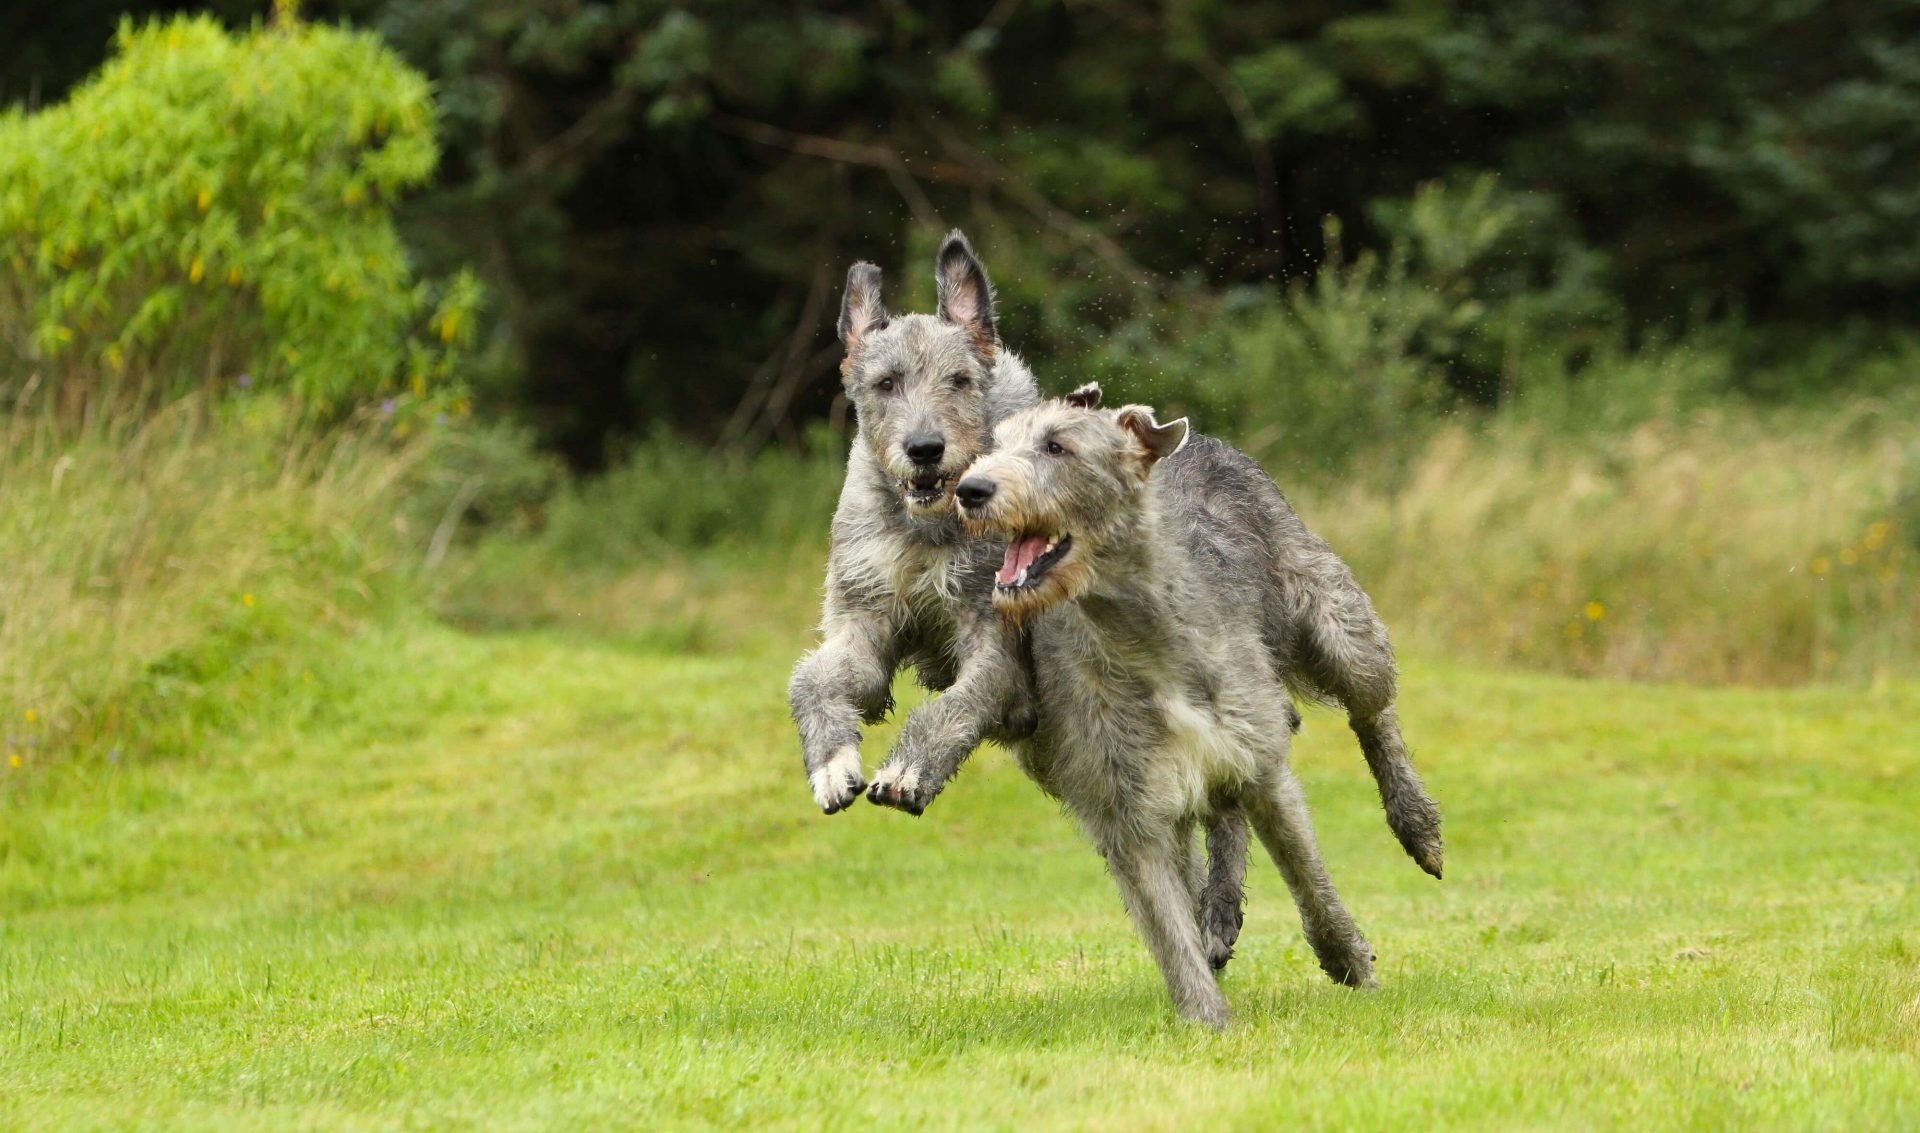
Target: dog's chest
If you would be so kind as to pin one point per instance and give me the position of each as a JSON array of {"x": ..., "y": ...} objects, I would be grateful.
[
  {"x": 915, "y": 579},
  {"x": 1120, "y": 738}
]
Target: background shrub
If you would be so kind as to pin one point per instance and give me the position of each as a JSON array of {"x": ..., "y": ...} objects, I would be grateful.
[{"x": 213, "y": 207}]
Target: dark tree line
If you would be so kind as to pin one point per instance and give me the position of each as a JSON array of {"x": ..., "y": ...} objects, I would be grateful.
[{"x": 662, "y": 197}]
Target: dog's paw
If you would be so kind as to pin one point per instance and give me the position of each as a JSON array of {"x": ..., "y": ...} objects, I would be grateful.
[
  {"x": 899, "y": 786},
  {"x": 1218, "y": 941},
  {"x": 1348, "y": 961},
  {"x": 1221, "y": 917},
  {"x": 838, "y": 781}
]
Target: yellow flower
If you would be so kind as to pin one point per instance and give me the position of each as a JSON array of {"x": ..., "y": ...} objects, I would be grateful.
[
  {"x": 1821, "y": 565},
  {"x": 246, "y": 600},
  {"x": 1594, "y": 611},
  {"x": 13, "y": 759},
  {"x": 1849, "y": 556},
  {"x": 32, "y": 715},
  {"x": 197, "y": 270},
  {"x": 1877, "y": 533},
  {"x": 204, "y": 200},
  {"x": 233, "y": 277}
]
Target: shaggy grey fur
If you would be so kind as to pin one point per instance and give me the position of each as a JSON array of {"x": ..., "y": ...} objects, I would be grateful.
[
  {"x": 1160, "y": 701},
  {"x": 905, "y": 584}
]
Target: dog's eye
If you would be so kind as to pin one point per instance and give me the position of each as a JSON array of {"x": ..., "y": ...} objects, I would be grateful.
[
  {"x": 884, "y": 385},
  {"x": 1055, "y": 448},
  {"x": 961, "y": 380}
]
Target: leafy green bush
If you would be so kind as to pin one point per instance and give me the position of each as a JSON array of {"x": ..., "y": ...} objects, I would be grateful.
[{"x": 209, "y": 206}]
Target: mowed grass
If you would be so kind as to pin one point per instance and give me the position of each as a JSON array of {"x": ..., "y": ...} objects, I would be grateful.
[{"x": 537, "y": 881}]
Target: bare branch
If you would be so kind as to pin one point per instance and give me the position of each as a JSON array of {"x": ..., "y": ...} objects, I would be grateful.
[{"x": 777, "y": 380}]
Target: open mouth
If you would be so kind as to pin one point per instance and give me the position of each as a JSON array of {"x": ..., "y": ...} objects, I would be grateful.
[
  {"x": 924, "y": 489},
  {"x": 1028, "y": 560}
]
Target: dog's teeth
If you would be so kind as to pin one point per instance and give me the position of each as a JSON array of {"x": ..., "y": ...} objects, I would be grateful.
[
  {"x": 1022, "y": 580},
  {"x": 1051, "y": 544}
]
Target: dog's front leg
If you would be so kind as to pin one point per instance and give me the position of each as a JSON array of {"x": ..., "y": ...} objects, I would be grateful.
[
  {"x": 1145, "y": 864},
  {"x": 833, "y": 688},
  {"x": 940, "y": 734}
]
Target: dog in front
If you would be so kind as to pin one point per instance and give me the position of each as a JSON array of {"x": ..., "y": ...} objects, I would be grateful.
[{"x": 1142, "y": 563}]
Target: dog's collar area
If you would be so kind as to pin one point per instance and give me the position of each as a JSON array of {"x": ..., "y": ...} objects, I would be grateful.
[{"x": 1028, "y": 559}]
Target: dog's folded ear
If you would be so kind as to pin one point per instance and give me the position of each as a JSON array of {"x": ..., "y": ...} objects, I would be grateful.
[
  {"x": 1086, "y": 397},
  {"x": 966, "y": 296},
  {"x": 861, "y": 312},
  {"x": 1159, "y": 441}
]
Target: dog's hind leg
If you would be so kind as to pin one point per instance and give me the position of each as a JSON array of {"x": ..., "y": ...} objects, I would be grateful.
[
  {"x": 1278, "y": 809},
  {"x": 1217, "y": 879},
  {"x": 1161, "y": 903},
  {"x": 1223, "y": 895}
]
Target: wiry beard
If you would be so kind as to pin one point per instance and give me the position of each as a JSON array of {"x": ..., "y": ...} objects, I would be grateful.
[{"x": 1065, "y": 583}]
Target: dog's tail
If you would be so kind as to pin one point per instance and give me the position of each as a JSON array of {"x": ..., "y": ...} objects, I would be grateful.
[{"x": 1411, "y": 813}]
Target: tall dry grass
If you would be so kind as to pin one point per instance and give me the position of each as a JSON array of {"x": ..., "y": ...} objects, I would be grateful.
[
  {"x": 1724, "y": 546},
  {"x": 151, "y": 565}
]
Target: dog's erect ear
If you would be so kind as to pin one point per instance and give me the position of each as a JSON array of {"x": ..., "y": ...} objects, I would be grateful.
[
  {"x": 1159, "y": 441},
  {"x": 860, "y": 311},
  {"x": 966, "y": 297},
  {"x": 1086, "y": 397}
]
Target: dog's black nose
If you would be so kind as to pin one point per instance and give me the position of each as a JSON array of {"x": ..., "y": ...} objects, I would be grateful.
[
  {"x": 925, "y": 448},
  {"x": 974, "y": 491}
]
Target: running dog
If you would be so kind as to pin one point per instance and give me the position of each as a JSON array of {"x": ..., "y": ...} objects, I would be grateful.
[{"x": 1171, "y": 596}]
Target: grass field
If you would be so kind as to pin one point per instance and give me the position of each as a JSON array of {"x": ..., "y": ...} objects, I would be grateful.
[{"x": 535, "y": 881}]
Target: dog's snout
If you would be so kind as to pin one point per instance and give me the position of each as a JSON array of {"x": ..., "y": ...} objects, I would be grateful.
[
  {"x": 925, "y": 448},
  {"x": 974, "y": 491}
]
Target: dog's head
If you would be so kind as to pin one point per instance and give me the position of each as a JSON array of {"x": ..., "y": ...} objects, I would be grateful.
[
  {"x": 920, "y": 384},
  {"x": 1066, "y": 484}
]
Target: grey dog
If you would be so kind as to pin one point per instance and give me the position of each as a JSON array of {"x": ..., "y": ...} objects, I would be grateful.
[
  {"x": 906, "y": 585},
  {"x": 1135, "y": 560}
]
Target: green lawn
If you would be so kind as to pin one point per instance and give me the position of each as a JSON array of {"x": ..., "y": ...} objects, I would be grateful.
[{"x": 542, "y": 882}]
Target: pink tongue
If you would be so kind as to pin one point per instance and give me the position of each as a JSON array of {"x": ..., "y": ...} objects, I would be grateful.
[{"x": 1020, "y": 555}]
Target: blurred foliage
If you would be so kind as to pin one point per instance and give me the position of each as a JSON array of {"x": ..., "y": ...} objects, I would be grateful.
[
  {"x": 664, "y": 197},
  {"x": 211, "y": 206},
  {"x": 182, "y": 562}
]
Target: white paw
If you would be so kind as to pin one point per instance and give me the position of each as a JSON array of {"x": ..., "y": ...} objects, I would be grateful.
[
  {"x": 894, "y": 777},
  {"x": 898, "y": 785},
  {"x": 838, "y": 781}
]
